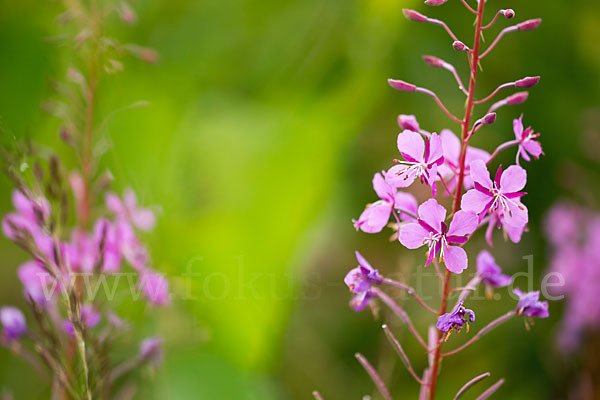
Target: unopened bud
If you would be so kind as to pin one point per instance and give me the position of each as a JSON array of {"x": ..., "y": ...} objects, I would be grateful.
[
  {"x": 529, "y": 24},
  {"x": 510, "y": 13},
  {"x": 489, "y": 119},
  {"x": 127, "y": 14},
  {"x": 459, "y": 46},
  {"x": 517, "y": 98},
  {"x": 402, "y": 86},
  {"x": 435, "y": 2},
  {"x": 433, "y": 61},
  {"x": 408, "y": 122},
  {"x": 414, "y": 16},
  {"x": 527, "y": 82}
]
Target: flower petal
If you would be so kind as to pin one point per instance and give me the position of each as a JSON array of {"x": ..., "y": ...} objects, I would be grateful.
[
  {"x": 463, "y": 223},
  {"x": 433, "y": 214},
  {"x": 513, "y": 179},
  {"x": 475, "y": 201},
  {"x": 518, "y": 127},
  {"x": 455, "y": 259},
  {"x": 412, "y": 235},
  {"x": 411, "y": 144},
  {"x": 362, "y": 262},
  {"x": 383, "y": 189},
  {"x": 400, "y": 176},
  {"x": 534, "y": 148},
  {"x": 435, "y": 148},
  {"x": 405, "y": 201},
  {"x": 450, "y": 146},
  {"x": 374, "y": 218},
  {"x": 480, "y": 174}
]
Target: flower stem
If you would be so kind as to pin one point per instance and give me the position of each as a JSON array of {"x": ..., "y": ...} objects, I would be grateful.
[{"x": 474, "y": 63}]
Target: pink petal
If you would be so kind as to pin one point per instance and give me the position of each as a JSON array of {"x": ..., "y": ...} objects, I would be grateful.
[
  {"x": 435, "y": 148},
  {"x": 455, "y": 259},
  {"x": 518, "y": 215},
  {"x": 480, "y": 174},
  {"x": 130, "y": 199},
  {"x": 463, "y": 223},
  {"x": 405, "y": 201},
  {"x": 412, "y": 144},
  {"x": 513, "y": 179},
  {"x": 518, "y": 127},
  {"x": 412, "y": 235},
  {"x": 399, "y": 176},
  {"x": 514, "y": 232},
  {"x": 475, "y": 201},
  {"x": 361, "y": 261},
  {"x": 383, "y": 190},
  {"x": 450, "y": 146},
  {"x": 113, "y": 203},
  {"x": 432, "y": 213},
  {"x": 534, "y": 148},
  {"x": 374, "y": 218},
  {"x": 474, "y": 153},
  {"x": 143, "y": 218}
]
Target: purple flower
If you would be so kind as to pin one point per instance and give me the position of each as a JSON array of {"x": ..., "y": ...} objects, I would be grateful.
[
  {"x": 362, "y": 277},
  {"x": 422, "y": 158},
  {"x": 30, "y": 216},
  {"x": 360, "y": 280},
  {"x": 376, "y": 215},
  {"x": 530, "y": 305},
  {"x": 151, "y": 350},
  {"x": 431, "y": 230},
  {"x": 13, "y": 323},
  {"x": 456, "y": 319},
  {"x": 155, "y": 287},
  {"x": 527, "y": 146},
  {"x": 500, "y": 196},
  {"x": 451, "y": 149},
  {"x": 107, "y": 237},
  {"x": 128, "y": 210},
  {"x": 489, "y": 272},
  {"x": 39, "y": 286}
]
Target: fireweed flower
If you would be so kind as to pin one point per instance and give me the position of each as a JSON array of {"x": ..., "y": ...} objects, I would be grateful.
[
  {"x": 151, "y": 350},
  {"x": 451, "y": 150},
  {"x": 360, "y": 280},
  {"x": 376, "y": 215},
  {"x": 38, "y": 285},
  {"x": 432, "y": 231},
  {"x": 155, "y": 287},
  {"x": 530, "y": 305},
  {"x": 490, "y": 273},
  {"x": 89, "y": 317},
  {"x": 30, "y": 215},
  {"x": 13, "y": 323},
  {"x": 500, "y": 196},
  {"x": 455, "y": 319},
  {"x": 422, "y": 158},
  {"x": 408, "y": 122},
  {"x": 527, "y": 146}
]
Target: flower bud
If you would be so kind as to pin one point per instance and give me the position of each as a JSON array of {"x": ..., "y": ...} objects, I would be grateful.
[
  {"x": 529, "y": 24},
  {"x": 151, "y": 350},
  {"x": 408, "y": 122},
  {"x": 459, "y": 46},
  {"x": 433, "y": 61},
  {"x": 489, "y": 119},
  {"x": 13, "y": 323},
  {"x": 509, "y": 13},
  {"x": 414, "y": 16},
  {"x": 435, "y": 2},
  {"x": 402, "y": 86},
  {"x": 527, "y": 82},
  {"x": 517, "y": 98}
]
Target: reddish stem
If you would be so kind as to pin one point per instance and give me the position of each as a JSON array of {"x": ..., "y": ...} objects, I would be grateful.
[{"x": 474, "y": 62}]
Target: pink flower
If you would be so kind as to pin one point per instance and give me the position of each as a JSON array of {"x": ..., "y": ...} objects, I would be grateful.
[
  {"x": 527, "y": 146},
  {"x": 431, "y": 230},
  {"x": 38, "y": 285},
  {"x": 128, "y": 210},
  {"x": 89, "y": 317},
  {"x": 500, "y": 196},
  {"x": 29, "y": 218},
  {"x": 494, "y": 219},
  {"x": 376, "y": 215},
  {"x": 155, "y": 288},
  {"x": 13, "y": 323},
  {"x": 451, "y": 149},
  {"x": 422, "y": 158}
]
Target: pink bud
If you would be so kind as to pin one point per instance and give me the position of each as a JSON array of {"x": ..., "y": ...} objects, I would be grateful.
[
  {"x": 433, "y": 61},
  {"x": 529, "y": 24},
  {"x": 408, "y": 122},
  {"x": 414, "y": 16},
  {"x": 402, "y": 86},
  {"x": 459, "y": 46},
  {"x": 527, "y": 82},
  {"x": 435, "y": 2},
  {"x": 489, "y": 119},
  {"x": 508, "y": 13},
  {"x": 517, "y": 98}
]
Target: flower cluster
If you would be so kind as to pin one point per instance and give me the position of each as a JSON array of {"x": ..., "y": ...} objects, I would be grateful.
[
  {"x": 472, "y": 200},
  {"x": 78, "y": 234},
  {"x": 574, "y": 235}
]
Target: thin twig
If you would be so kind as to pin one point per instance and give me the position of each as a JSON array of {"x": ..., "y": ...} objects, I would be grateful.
[{"x": 374, "y": 376}]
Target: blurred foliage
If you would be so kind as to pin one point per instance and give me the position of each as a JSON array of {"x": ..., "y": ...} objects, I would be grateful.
[{"x": 266, "y": 122}]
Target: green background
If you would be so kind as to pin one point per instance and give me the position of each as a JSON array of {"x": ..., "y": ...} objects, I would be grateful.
[{"x": 265, "y": 124}]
